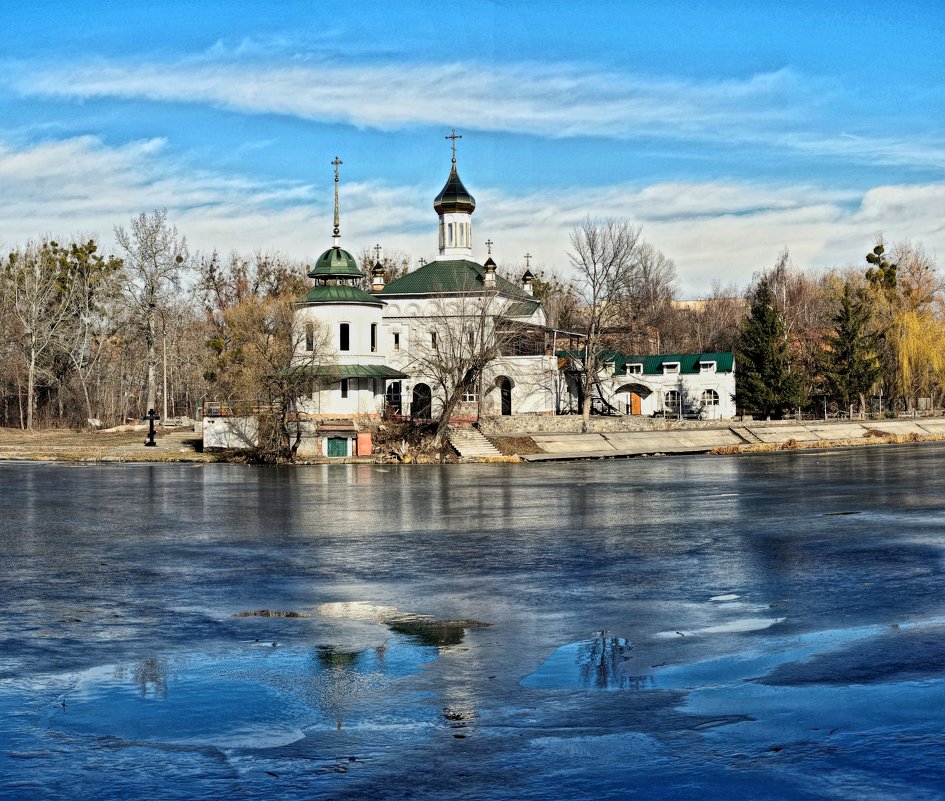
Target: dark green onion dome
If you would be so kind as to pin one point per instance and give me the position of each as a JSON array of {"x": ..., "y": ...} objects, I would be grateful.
[
  {"x": 335, "y": 263},
  {"x": 453, "y": 196}
]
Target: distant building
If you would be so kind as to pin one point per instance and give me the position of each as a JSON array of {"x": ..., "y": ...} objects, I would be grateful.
[{"x": 685, "y": 385}]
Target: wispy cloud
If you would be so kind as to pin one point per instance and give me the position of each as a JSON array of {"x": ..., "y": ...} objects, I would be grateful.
[
  {"x": 775, "y": 109},
  {"x": 714, "y": 230}
]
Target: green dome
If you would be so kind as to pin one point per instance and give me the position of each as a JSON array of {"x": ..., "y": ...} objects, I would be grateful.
[
  {"x": 454, "y": 197},
  {"x": 335, "y": 263}
]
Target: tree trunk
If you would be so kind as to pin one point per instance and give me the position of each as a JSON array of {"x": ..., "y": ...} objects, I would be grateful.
[
  {"x": 152, "y": 359},
  {"x": 30, "y": 389}
]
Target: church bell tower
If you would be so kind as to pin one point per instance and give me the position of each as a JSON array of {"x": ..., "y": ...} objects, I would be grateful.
[{"x": 455, "y": 206}]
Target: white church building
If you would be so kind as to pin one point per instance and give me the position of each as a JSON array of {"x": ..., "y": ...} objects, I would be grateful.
[
  {"x": 392, "y": 345},
  {"x": 373, "y": 349}
]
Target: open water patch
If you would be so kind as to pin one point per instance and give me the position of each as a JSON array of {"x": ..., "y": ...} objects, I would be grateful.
[
  {"x": 263, "y": 696},
  {"x": 601, "y": 662}
]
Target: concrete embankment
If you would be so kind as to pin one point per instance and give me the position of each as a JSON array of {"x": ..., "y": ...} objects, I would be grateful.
[{"x": 558, "y": 446}]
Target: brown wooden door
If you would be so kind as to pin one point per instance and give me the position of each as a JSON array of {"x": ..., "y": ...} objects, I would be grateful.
[{"x": 635, "y": 407}]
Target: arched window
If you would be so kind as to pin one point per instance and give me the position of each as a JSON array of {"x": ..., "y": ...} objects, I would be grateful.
[
  {"x": 671, "y": 400},
  {"x": 310, "y": 336},
  {"x": 710, "y": 398}
]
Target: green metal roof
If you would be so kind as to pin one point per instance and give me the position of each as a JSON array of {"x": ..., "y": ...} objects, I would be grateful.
[
  {"x": 339, "y": 371},
  {"x": 339, "y": 294},
  {"x": 688, "y": 362},
  {"x": 521, "y": 308},
  {"x": 454, "y": 196},
  {"x": 449, "y": 276},
  {"x": 337, "y": 263},
  {"x": 653, "y": 365}
]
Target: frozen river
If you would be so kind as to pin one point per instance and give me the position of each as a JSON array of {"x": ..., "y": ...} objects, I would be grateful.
[{"x": 763, "y": 627}]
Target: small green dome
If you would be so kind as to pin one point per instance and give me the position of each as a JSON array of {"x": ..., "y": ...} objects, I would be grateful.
[
  {"x": 335, "y": 263},
  {"x": 454, "y": 196}
]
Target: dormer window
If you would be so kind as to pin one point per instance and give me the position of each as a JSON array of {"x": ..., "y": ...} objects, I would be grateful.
[
  {"x": 634, "y": 369},
  {"x": 670, "y": 368},
  {"x": 706, "y": 367}
]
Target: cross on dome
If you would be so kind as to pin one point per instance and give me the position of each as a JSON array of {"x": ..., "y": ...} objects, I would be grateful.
[
  {"x": 454, "y": 136},
  {"x": 489, "y": 244}
]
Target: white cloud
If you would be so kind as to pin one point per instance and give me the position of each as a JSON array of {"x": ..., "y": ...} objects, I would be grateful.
[
  {"x": 725, "y": 230},
  {"x": 553, "y": 101},
  {"x": 556, "y": 101}
]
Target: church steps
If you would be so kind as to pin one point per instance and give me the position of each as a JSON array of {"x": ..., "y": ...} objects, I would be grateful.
[{"x": 469, "y": 442}]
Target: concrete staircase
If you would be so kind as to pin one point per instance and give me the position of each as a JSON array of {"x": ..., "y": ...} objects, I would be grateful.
[
  {"x": 748, "y": 435},
  {"x": 470, "y": 443}
]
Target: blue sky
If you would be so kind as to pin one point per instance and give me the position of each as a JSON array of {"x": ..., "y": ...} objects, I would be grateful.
[{"x": 728, "y": 130}]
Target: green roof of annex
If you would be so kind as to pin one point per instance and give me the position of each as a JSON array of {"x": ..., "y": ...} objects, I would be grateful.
[{"x": 689, "y": 363}]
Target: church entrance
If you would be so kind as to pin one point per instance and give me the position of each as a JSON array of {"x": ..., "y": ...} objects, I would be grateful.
[
  {"x": 505, "y": 392},
  {"x": 421, "y": 405}
]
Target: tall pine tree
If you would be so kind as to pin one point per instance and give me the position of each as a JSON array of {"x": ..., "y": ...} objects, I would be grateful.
[
  {"x": 851, "y": 366},
  {"x": 765, "y": 382}
]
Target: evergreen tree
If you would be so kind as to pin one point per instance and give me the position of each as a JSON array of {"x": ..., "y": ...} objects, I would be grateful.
[
  {"x": 766, "y": 383},
  {"x": 851, "y": 366}
]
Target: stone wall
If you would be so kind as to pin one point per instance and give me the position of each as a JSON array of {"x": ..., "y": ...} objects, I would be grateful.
[{"x": 571, "y": 423}]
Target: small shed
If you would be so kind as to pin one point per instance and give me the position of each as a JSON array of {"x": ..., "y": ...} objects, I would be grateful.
[{"x": 339, "y": 438}]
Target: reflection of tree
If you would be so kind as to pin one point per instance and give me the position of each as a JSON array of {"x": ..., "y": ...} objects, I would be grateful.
[
  {"x": 151, "y": 676},
  {"x": 429, "y": 632},
  {"x": 601, "y": 662},
  {"x": 341, "y": 679}
]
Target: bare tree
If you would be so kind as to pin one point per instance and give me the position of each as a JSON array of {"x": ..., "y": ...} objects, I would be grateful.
[
  {"x": 95, "y": 282},
  {"x": 605, "y": 255},
  {"x": 154, "y": 257},
  {"x": 41, "y": 303},
  {"x": 454, "y": 344},
  {"x": 395, "y": 264}
]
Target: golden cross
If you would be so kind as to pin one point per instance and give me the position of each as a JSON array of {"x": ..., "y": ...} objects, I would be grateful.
[
  {"x": 337, "y": 163},
  {"x": 454, "y": 136},
  {"x": 489, "y": 244}
]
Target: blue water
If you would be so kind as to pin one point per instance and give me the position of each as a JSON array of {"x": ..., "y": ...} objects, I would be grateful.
[{"x": 691, "y": 627}]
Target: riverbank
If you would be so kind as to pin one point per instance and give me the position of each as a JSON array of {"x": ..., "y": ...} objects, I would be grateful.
[{"x": 184, "y": 445}]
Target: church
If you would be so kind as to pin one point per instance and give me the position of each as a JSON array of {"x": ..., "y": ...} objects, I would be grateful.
[
  {"x": 406, "y": 347},
  {"x": 452, "y": 338}
]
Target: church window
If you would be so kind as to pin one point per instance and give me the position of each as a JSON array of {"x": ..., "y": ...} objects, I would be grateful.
[
  {"x": 373, "y": 337},
  {"x": 710, "y": 398},
  {"x": 706, "y": 367},
  {"x": 670, "y": 368},
  {"x": 397, "y": 340},
  {"x": 433, "y": 340},
  {"x": 344, "y": 337},
  {"x": 671, "y": 402},
  {"x": 469, "y": 396},
  {"x": 310, "y": 336},
  {"x": 450, "y": 232},
  {"x": 634, "y": 369},
  {"x": 344, "y": 387},
  {"x": 442, "y": 234}
]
